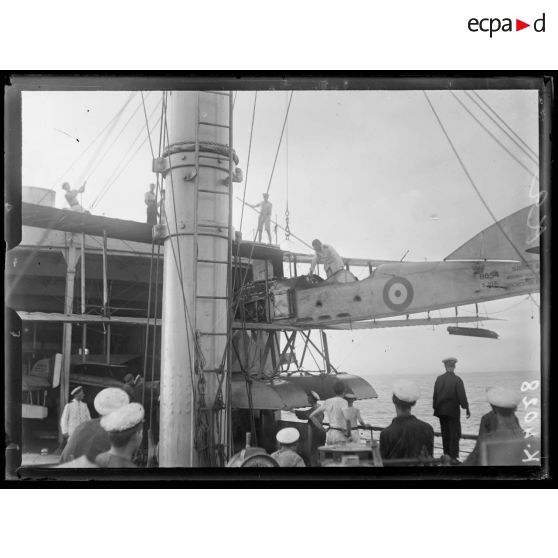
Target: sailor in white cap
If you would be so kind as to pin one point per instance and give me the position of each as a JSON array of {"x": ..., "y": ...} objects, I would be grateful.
[
  {"x": 89, "y": 439},
  {"x": 449, "y": 396},
  {"x": 353, "y": 417},
  {"x": 499, "y": 424},
  {"x": 75, "y": 412},
  {"x": 286, "y": 455},
  {"x": 406, "y": 437},
  {"x": 316, "y": 433},
  {"x": 125, "y": 430}
]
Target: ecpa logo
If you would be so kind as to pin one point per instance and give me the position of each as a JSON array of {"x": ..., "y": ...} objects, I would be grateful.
[{"x": 494, "y": 24}]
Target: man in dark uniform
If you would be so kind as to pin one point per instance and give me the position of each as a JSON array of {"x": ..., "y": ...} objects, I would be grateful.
[
  {"x": 407, "y": 436},
  {"x": 89, "y": 438},
  {"x": 499, "y": 425},
  {"x": 449, "y": 395},
  {"x": 316, "y": 436}
]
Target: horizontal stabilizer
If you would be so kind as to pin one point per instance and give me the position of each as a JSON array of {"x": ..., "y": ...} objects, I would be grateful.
[{"x": 512, "y": 238}]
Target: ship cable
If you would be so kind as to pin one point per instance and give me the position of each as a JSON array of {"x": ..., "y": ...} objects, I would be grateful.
[
  {"x": 234, "y": 306},
  {"x": 518, "y": 161},
  {"x": 485, "y": 103},
  {"x": 248, "y": 161},
  {"x": 472, "y": 182},
  {"x": 532, "y": 158},
  {"x": 108, "y": 149},
  {"x": 122, "y": 165}
]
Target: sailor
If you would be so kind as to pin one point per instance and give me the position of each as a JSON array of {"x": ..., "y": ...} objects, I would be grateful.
[
  {"x": 500, "y": 424},
  {"x": 128, "y": 386},
  {"x": 449, "y": 395},
  {"x": 71, "y": 197},
  {"x": 316, "y": 432},
  {"x": 89, "y": 439},
  {"x": 286, "y": 455},
  {"x": 326, "y": 255},
  {"x": 75, "y": 412},
  {"x": 406, "y": 437},
  {"x": 150, "y": 199},
  {"x": 333, "y": 408},
  {"x": 124, "y": 428},
  {"x": 265, "y": 216},
  {"x": 353, "y": 418}
]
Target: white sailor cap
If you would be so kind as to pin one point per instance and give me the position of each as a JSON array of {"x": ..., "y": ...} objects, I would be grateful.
[
  {"x": 350, "y": 396},
  {"x": 503, "y": 397},
  {"x": 449, "y": 359},
  {"x": 315, "y": 395},
  {"x": 110, "y": 399},
  {"x": 76, "y": 390},
  {"x": 287, "y": 436},
  {"x": 406, "y": 391},
  {"x": 125, "y": 418}
]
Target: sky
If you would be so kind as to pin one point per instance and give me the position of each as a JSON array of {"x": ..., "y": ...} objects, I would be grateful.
[{"x": 369, "y": 172}]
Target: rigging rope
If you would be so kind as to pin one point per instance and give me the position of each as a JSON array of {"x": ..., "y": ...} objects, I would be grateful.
[
  {"x": 519, "y": 162},
  {"x": 532, "y": 158},
  {"x": 484, "y": 102},
  {"x": 248, "y": 162},
  {"x": 287, "y": 229},
  {"x": 498, "y": 224},
  {"x": 123, "y": 165}
]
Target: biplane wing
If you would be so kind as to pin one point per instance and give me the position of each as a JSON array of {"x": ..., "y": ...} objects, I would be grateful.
[{"x": 379, "y": 324}]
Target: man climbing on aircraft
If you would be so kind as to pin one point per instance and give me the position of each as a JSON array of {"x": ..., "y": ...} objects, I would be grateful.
[
  {"x": 265, "y": 216},
  {"x": 326, "y": 255}
]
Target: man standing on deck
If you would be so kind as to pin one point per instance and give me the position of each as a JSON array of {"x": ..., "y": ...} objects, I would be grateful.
[
  {"x": 326, "y": 255},
  {"x": 406, "y": 437},
  {"x": 150, "y": 200},
  {"x": 449, "y": 395},
  {"x": 333, "y": 408},
  {"x": 75, "y": 412},
  {"x": 501, "y": 426},
  {"x": 125, "y": 430},
  {"x": 265, "y": 217},
  {"x": 286, "y": 455},
  {"x": 316, "y": 434}
]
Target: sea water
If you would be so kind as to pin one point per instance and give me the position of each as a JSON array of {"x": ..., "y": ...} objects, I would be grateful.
[{"x": 380, "y": 411}]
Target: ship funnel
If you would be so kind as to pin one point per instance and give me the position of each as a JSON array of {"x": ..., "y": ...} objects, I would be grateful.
[{"x": 38, "y": 196}]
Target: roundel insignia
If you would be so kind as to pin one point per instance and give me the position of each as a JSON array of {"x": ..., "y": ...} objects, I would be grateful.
[{"x": 398, "y": 293}]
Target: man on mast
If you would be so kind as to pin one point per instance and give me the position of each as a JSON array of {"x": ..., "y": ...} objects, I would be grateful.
[
  {"x": 71, "y": 197},
  {"x": 265, "y": 216},
  {"x": 150, "y": 200}
]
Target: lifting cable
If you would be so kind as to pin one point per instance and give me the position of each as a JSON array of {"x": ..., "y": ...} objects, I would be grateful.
[
  {"x": 287, "y": 229},
  {"x": 498, "y": 224}
]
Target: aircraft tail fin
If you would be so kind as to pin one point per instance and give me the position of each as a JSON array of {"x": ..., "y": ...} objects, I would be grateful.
[{"x": 514, "y": 237}]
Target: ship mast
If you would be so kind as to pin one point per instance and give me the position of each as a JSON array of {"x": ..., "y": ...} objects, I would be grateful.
[{"x": 197, "y": 166}]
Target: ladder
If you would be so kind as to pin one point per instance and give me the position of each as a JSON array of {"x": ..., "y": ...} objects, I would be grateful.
[{"x": 215, "y": 230}]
